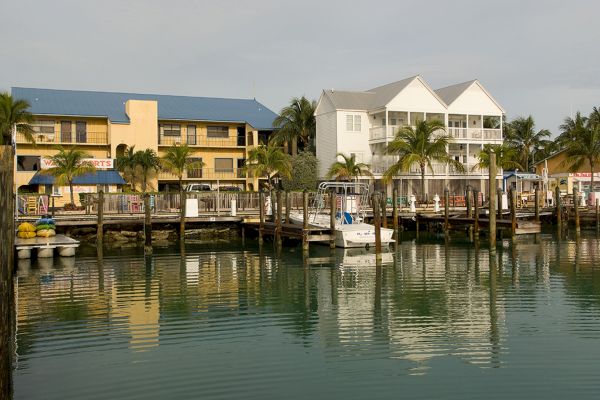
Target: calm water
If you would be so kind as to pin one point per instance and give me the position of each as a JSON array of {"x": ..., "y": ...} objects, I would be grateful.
[{"x": 233, "y": 322}]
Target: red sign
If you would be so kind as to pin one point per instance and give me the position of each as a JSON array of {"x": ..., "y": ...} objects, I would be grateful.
[{"x": 99, "y": 163}]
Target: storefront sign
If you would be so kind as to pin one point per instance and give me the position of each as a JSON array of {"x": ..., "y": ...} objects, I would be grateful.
[{"x": 99, "y": 163}]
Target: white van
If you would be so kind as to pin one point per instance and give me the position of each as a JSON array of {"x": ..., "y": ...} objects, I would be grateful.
[{"x": 197, "y": 187}]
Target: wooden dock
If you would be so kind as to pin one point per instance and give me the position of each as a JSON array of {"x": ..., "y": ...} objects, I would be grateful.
[
  {"x": 45, "y": 246},
  {"x": 294, "y": 231},
  {"x": 523, "y": 226}
]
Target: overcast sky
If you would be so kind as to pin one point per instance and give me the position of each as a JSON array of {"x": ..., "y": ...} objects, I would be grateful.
[{"x": 535, "y": 57}]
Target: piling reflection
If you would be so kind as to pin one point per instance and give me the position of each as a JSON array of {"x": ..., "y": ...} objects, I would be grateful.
[{"x": 423, "y": 302}]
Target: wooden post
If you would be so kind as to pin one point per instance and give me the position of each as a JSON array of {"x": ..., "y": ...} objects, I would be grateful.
[
  {"x": 537, "y": 205},
  {"x": 7, "y": 248},
  {"x": 147, "y": 225},
  {"x": 492, "y": 209},
  {"x": 597, "y": 214},
  {"x": 278, "y": 220},
  {"x": 377, "y": 223},
  {"x": 332, "y": 212},
  {"x": 384, "y": 209},
  {"x": 513, "y": 213},
  {"x": 558, "y": 209},
  {"x": 305, "y": 221},
  {"x": 499, "y": 204},
  {"x": 53, "y": 207},
  {"x": 468, "y": 201},
  {"x": 100, "y": 223},
  {"x": 576, "y": 208},
  {"x": 182, "y": 208},
  {"x": 446, "y": 212},
  {"x": 476, "y": 213},
  {"x": 261, "y": 213},
  {"x": 288, "y": 203},
  {"x": 395, "y": 212}
]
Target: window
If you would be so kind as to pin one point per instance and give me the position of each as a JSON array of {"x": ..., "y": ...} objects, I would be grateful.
[
  {"x": 191, "y": 134},
  {"x": 81, "y": 132},
  {"x": 218, "y": 132},
  {"x": 56, "y": 190},
  {"x": 195, "y": 171},
  {"x": 223, "y": 164},
  {"x": 44, "y": 131},
  {"x": 28, "y": 163},
  {"x": 65, "y": 131},
  {"x": 353, "y": 123},
  {"x": 171, "y": 130}
]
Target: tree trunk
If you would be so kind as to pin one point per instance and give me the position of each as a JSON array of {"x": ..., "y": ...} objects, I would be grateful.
[
  {"x": 294, "y": 146},
  {"x": 71, "y": 189}
]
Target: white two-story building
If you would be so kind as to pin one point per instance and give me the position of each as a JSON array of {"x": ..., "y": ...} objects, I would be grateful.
[{"x": 363, "y": 123}]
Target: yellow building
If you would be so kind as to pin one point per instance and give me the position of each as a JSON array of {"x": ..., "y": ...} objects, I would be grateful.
[
  {"x": 220, "y": 131},
  {"x": 557, "y": 170}
]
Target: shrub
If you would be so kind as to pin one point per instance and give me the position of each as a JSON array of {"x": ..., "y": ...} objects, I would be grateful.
[{"x": 305, "y": 168}]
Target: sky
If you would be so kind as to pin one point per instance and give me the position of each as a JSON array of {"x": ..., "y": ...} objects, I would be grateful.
[{"x": 536, "y": 58}]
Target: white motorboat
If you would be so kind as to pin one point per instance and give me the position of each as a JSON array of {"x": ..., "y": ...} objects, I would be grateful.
[{"x": 350, "y": 231}]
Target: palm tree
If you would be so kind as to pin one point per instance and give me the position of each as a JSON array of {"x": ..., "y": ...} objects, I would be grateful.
[
  {"x": 14, "y": 118},
  {"x": 421, "y": 145},
  {"x": 176, "y": 160},
  {"x": 147, "y": 162},
  {"x": 69, "y": 164},
  {"x": 585, "y": 149},
  {"x": 296, "y": 122},
  {"x": 348, "y": 169},
  {"x": 571, "y": 128},
  {"x": 525, "y": 139},
  {"x": 127, "y": 165},
  {"x": 506, "y": 157},
  {"x": 266, "y": 161}
]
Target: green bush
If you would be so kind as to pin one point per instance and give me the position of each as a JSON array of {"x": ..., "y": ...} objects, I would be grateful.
[{"x": 305, "y": 168}]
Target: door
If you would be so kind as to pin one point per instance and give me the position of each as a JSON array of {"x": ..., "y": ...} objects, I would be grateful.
[
  {"x": 65, "y": 131},
  {"x": 240, "y": 167},
  {"x": 81, "y": 132},
  {"x": 241, "y": 136},
  {"x": 191, "y": 134}
]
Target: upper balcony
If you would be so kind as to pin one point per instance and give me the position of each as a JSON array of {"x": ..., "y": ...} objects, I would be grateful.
[
  {"x": 202, "y": 141},
  {"x": 67, "y": 138},
  {"x": 207, "y": 174},
  {"x": 383, "y": 134}
]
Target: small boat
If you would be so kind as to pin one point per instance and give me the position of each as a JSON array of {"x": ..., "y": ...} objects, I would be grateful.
[{"x": 350, "y": 230}]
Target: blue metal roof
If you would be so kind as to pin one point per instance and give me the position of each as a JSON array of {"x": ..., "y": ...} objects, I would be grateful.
[
  {"x": 100, "y": 177},
  {"x": 112, "y": 106}
]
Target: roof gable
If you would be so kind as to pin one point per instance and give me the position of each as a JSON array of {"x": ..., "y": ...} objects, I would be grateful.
[
  {"x": 469, "y": 97},
  {"x": 112, "y": 106},
  {"x": 416, "y": 95}
]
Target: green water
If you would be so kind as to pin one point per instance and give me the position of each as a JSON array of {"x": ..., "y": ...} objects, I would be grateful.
[{"x": 229, "y": 322}]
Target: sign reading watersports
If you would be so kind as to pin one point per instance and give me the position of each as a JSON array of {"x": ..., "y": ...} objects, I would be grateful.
[{"x": 99, "y": 163}]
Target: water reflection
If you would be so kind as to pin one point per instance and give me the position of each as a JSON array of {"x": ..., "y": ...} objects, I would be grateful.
[{"x": 424, "y": 302}]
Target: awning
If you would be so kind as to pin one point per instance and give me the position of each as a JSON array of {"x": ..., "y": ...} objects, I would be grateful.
[{"x": 100, "y": 177}]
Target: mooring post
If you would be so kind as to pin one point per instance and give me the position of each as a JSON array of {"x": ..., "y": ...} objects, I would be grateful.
[
  {"x": 492, "y": 207},
  {"x": 279, "y": 240},
  {"x": 476, "y": 213},
  {"x": 576, "y": 208},
  {"x": 446, "y": 212},
  {"x": 537, "y": 205},
  {"x": 558, "y": 210},
  {"x": 384, "y": 209},
  {"x": 468, "y": 201},
  {"x": 53, "y": 207},
  {"x": 513, "y": 213},
  {"x": 182, "y": 208},
  {"x": 377, "y": 223},
  {"x": 305, "y": 221},
  {"x": 597, "y": 215},
  {"x": 288, "y": 202},
  {"x": 261, "y": 216},
  {"x": 499, "y": 204},
  {"x": 332, "y": 212},
  {"x": 395, "y": 212},
  {"x": 100, "y": 228},
  {"x": 147, "y": 225}
]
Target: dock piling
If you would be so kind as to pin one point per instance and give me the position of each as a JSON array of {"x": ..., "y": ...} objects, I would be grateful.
[
  {"x": 468, "y": 201},
  {"x": 558, "y": 210},
  {"x": 597, "y": 215},
  {"x": 261, "y": 212},
  {"x": 492, "y": 208},
  {"x": 100, "y": 228},
  {"x": 446, "y": 212},
  {"x": 377, "y": 223},
  {"x": 476, "y": 214},
  {"x": 332, "y": 212},
  {"x": 395, "y": 212},
  {"x": 305, "y": 232},
  {"x": 279, "y": 216},
  {"x": 537, "y": 205},
  {"x": 576, "y": 208},
  {"x": 513, "y": 213},
  {"x": 288, "y": 206},
  {"x": 147, "y": 225},
  {"x": 384, "y": 210}
]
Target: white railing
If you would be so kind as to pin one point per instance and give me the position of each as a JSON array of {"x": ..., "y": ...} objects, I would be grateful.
[
  {"x": 457, "y": 133},
  {"x": 492, "y": 134},
  {"x": 383, "y": 132}
]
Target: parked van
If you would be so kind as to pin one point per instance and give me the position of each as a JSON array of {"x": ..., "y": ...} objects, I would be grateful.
[{"x": 197, "y": 187}]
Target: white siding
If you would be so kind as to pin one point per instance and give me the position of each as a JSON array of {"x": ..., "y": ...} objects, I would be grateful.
[
  {"x": 352, "y": 141},
  {"x": 416, "y": 97},
  {"x": 474, "y": 101},
  {"x": 326, "y": 141}
]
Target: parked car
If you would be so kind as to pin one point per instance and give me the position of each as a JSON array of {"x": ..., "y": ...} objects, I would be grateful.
[
  {"x": 230, "y": 189},
  {"x": 197, "y": 187}
]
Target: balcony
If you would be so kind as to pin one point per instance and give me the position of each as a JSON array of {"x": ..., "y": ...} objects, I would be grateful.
[
  {"x": 474, "y": 133},
  {"x": 206, "y": 174},
  {"x": 70, "y": 138},
  {"x": 202, "y": 141}
]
